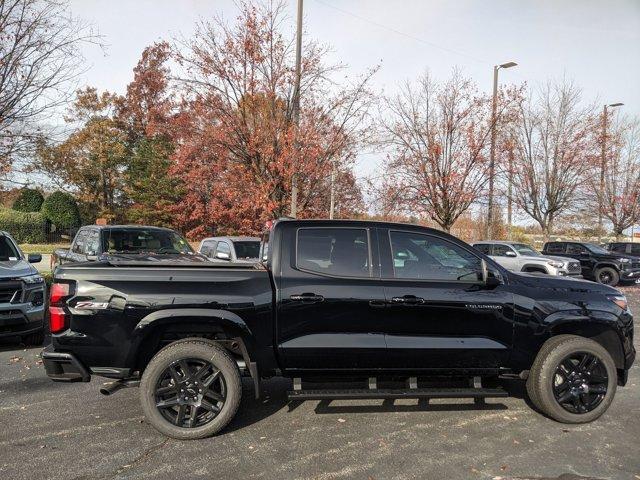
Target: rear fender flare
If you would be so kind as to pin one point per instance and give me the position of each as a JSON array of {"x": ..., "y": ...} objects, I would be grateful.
[{"x": 211, "y": 320}]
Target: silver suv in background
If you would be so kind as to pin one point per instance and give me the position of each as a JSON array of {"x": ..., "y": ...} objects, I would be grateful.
[
  {"x": 520, "y": 257},
  {"x": 231, "y": 249},
  {"x": 22, "y": 293}
]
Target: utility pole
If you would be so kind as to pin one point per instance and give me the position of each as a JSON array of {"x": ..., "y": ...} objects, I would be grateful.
[
  {"x": 296, "y": 112},
  {"x": 509, "y": 195},
  {"x": 603, "y": 165},
  {"x": 333, "y": 190},
  {"x": 492, "y": 154}
]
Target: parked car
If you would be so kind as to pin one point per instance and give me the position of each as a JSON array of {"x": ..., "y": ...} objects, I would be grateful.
[
  {"x": 597, "y": 263},
  {"x": 103, "y": 242},
  {"x": 628, "y": 248},
  {"x": 231, "y": 249},
  {"x": 520, "y": 257},
  {"x": 22, "y": 293},
  {"x": 391, "y": 304}
]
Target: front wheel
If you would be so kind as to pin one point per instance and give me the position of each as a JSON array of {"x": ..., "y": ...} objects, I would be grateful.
[
  {"x": 191, "y": 389},
  {"x": 607, "y": 276},
  {"x": 573, "y": 379}
]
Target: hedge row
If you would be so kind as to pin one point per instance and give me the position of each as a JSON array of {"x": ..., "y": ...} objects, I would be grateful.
[{"x": 24, "y": 227}]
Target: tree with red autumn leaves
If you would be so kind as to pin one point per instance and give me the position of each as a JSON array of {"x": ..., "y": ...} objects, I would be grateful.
[
  {"x": 238, "y": 147},
  {"x": 620, "y": 199},
  {"x": 554, "y": 145},
  {"x": 438, "y": 134}
]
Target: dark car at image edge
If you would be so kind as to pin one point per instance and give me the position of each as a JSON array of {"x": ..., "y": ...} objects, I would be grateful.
[
  {"x": 597, "y": 263},
  {"x": 22, "y": 293},
  {"x": 409, "y": 311}
]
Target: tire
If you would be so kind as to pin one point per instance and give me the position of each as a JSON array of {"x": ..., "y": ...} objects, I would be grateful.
[
  {"x": 549, "y": 382},
  {"x": 35, "y": 339},
  {"x": 607, "y": 276},
  {"x": 175, "y": 418}
]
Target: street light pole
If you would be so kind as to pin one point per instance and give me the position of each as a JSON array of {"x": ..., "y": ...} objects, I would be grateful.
[
  {"x": 492, "y": 153},
  {"x": 603, "y": 162},
  {"x": 296, "y": 111}
]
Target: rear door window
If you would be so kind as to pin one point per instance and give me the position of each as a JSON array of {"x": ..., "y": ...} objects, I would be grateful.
[
  {"x": 484, "y": 248},
  {"x": 340, "y": 252},
  {"x": 576, "y": 249},
  {"x": 635, "y": 248},
  {"x": 501, "y": 250},
  {"x": 555, "y": 248}
]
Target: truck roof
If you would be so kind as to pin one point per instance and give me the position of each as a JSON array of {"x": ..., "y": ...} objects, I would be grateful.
[{"x": 124, "y": 227}]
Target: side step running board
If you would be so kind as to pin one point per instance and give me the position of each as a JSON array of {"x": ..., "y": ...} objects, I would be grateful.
[{"x": 356, "y": 394}]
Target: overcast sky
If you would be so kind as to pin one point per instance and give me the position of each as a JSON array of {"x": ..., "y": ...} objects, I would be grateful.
[{"x": 595, "y": 43}]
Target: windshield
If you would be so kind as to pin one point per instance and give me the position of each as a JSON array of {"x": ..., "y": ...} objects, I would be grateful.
[
  {"x": 141, "y": 240},
  {"x": 247, "y": 249},
  {"x": 597, "y": 249},
  {"x": 524, "y": 249},
  {"x": 8, "y": 251}
]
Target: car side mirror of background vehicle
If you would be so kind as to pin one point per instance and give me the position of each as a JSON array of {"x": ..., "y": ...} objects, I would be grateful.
[
  {"x": 34, "y": 258},
  {"x": 510, "y": 254},
  {"x": 223, "y": 256}
]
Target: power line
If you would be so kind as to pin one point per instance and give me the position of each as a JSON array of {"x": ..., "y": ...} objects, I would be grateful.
[{"x": 398, "y": 32}]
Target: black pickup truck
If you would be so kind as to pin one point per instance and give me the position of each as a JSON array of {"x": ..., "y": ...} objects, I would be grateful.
[
  {"x": 401, "y": 308},
  {"x": 597, "y": 263}
]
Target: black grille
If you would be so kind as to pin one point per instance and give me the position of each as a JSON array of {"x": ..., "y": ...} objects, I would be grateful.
[
  {"x": 573, "y": 267},
  {"x": 635, "y": 264},
  {"x": 10, "y": 290}
]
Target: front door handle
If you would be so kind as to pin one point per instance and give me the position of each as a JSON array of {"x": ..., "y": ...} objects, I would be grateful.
[
  {"x": 306, "y": 297},
  {"x": 408, "y": 300}
]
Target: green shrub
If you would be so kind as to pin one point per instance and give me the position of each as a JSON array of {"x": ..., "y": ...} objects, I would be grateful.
[
  {"x": 25, "y": 227},
  {"x": 29, "y": 200},
  {"x": 61, "y": 209}
]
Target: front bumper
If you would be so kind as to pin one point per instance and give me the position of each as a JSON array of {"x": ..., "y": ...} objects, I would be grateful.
[
  {"x": 64, "y": 367},
  {"x": 630, "y": 274},
  {"x": 20, "y": 319}
]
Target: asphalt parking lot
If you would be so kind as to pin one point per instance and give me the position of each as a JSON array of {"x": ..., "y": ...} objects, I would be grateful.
[{"x": 51, "y": 430}]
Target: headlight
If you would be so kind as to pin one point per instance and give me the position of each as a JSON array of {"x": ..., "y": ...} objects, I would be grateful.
[
  {"x": 555, "y": 263},
  {"x": 619, "y": 300},
  {"x": 624, "y": 260},
  {"x": 33, "y": 279}
]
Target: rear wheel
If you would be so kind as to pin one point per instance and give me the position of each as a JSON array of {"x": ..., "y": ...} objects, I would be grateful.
[
  {"x": 191, "y": 389},
  {"x": 573, "y": 379},
  {"x": 607, "y": 276}
]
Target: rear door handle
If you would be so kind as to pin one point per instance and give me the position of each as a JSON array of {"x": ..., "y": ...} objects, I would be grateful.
[
  {"x": 408, "y": 300},
  {"x": 306, "y": 297}
]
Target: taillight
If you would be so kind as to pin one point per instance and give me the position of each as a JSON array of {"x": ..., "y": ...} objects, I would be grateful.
[
  {"x": 58, "y": 317},
  {"x": 58, "y": 292}
]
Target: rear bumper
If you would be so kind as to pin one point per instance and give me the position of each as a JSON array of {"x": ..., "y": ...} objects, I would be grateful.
[{"x": 64, "y": 367}]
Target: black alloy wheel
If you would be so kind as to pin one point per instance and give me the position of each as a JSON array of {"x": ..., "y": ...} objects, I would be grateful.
[
  {"x": 190, "y": 393},
  {"x": 580, "y": 382}
]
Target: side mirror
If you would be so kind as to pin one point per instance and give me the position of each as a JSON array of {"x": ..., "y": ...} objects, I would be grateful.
[
  {"x": 34, "y": 258},
  {"x": 509, "y": 253},
  {"x": 489, "y": 279},
  {"x": 223, "y": 256}
]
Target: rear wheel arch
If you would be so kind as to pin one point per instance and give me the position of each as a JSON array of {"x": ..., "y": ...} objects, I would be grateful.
[{"x": 161, "y": 328}]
